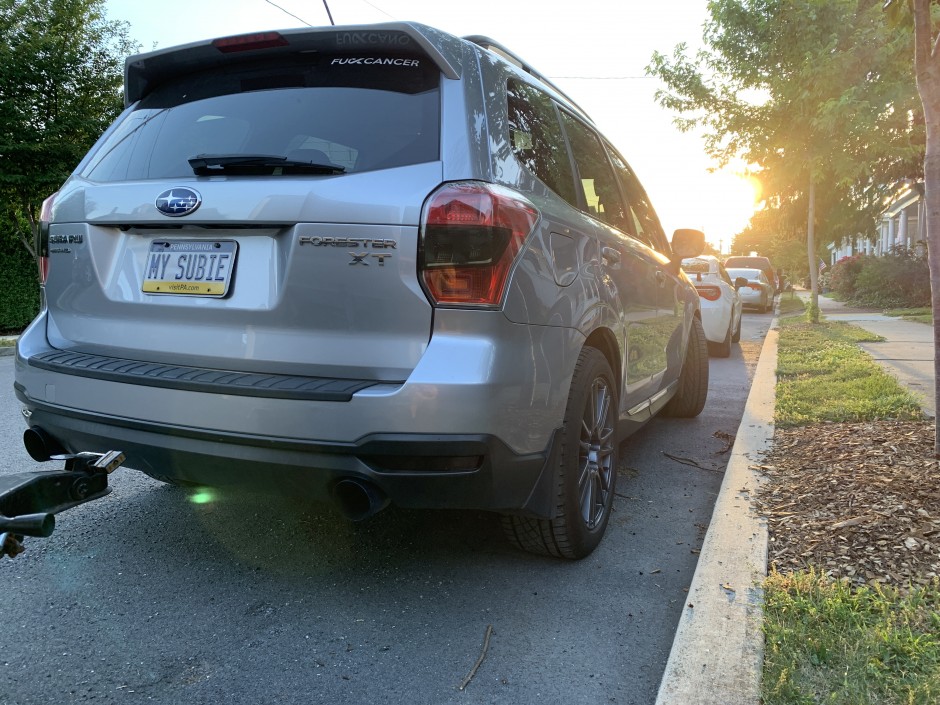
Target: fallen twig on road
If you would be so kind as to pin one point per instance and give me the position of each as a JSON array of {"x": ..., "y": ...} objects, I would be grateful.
[
  {"x": 473, "y": 671},
  {"x": 689, "y": 461}
]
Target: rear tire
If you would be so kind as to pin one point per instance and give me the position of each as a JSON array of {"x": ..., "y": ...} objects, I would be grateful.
[
  {"x": 722, "y": 349},
  {"x": 736, "y": 338},
  {"x": 586, "y": 470},
  {"x": 689, "y": 399}
]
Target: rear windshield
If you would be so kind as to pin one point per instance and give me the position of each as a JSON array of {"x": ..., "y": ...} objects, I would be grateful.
[
  {"x": 696, "y": 266},
  {"x": 358, "y": 113},
  {"x": 758, "y": 262},
  {"x": 746, "y": 273}
]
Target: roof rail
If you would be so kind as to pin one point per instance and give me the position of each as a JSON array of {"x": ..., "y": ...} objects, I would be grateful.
[{"x": 515, "y": 60}]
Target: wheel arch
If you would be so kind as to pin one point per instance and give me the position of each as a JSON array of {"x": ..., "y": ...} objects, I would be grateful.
[{"x": 604, "y": 340}]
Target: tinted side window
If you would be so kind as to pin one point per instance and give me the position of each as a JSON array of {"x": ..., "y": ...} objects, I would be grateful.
[
  {"x": 537, "y": 139},
  {"x": 644, "y": 217},
  {"x": 595, "y": 176}
]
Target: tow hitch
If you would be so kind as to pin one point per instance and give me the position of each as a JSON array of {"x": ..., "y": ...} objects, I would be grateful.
[{"x": 29, "y": 501}]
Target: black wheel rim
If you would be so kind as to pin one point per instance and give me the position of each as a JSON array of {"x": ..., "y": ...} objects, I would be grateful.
[{"x": 596, "y": 454}]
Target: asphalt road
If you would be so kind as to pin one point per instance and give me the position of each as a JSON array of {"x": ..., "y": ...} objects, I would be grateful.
[{"x": 157, "y": 594}]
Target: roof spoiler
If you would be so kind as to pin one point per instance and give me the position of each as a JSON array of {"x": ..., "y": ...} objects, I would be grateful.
[{"x": 144, "y": 72}]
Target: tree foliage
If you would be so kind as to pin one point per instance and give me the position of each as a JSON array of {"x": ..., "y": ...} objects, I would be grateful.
[
  {"x": 810, "y": 93},
  {"x": 61, "y": 73}
]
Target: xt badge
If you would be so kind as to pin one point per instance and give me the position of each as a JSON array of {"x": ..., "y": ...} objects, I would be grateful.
[
  {"x": 357, "y": 257},
  {"x": 360, "y": 258}
]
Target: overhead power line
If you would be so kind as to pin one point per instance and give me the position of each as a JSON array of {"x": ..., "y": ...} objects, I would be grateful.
[{"x": 287, "y": 12}]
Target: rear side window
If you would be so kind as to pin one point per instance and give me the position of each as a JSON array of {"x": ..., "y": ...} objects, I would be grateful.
[
  {"x": 360, "y": 114},
  {"x": 598, "y": 183},
  {"x": 537, "y": 140},
  {"x": 643, "y": 216}
]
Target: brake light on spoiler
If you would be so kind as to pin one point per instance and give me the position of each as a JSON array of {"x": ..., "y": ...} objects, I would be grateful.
[
  {"x": 471, "y": 234},
  {"x": 247, "y": 42}
]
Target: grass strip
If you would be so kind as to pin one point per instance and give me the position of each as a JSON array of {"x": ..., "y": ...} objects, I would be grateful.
[
  {"x": 827, "y": 642},
  {"x": 790, "y": 304},
  {"x": 918, "y": 315},
  {"x": 822, "y": 375}
]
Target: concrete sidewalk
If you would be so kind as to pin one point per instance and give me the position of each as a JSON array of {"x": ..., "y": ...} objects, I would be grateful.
[{"x": 907, "y": 351}]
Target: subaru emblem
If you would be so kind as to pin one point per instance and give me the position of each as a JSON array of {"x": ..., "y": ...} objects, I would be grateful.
[{"x": 178, "y": 201}]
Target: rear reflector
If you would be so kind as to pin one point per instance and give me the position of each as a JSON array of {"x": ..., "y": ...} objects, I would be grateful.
[
  {"x": 247, "y": 42},
  {"x": 471, "y": 233},
  {"x": 712, "y": 293}
]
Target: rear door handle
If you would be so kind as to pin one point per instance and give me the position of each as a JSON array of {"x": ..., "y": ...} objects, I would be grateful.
[{"x": 661, "y": 277}]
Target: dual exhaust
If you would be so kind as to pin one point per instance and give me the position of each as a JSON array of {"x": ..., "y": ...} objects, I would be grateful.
[{"x": 357, "y": 500}]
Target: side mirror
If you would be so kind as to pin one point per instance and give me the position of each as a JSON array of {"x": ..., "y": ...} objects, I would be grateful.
[
  {"x": 739, "y": 282},
  {"x": 687, "y": 242}
]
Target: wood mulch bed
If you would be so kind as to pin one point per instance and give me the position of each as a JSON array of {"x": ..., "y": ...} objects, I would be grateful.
[{"x": 858, "y": 501}]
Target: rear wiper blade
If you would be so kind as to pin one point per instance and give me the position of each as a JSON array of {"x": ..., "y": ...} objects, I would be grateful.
[{"x": 210, "y": 164}]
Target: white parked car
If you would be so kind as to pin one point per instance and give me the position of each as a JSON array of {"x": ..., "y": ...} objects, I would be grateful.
[
  {"x": 758, "y": 292},
  {"x": 719, "y": 300}
]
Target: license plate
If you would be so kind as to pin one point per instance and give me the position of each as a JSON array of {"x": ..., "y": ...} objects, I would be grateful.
[{"x": 189, "y": 267}]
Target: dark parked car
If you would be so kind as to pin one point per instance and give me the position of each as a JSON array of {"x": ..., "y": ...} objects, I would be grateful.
[{"x": 755, "y": 262}]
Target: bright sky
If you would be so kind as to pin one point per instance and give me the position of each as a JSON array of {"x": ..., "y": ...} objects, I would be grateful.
[{"x": 595, "y": 50}]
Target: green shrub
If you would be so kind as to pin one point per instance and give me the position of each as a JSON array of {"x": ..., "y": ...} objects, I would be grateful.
[
  {"x": 897, "y": 280},
  {"x": 19, "y": 294}
]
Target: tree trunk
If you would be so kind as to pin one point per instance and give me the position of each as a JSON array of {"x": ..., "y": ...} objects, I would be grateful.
[
  {"x": 811, "y": 252},
  {"x": 932, "y": 201},
  {"x": 927, "y": 69}
]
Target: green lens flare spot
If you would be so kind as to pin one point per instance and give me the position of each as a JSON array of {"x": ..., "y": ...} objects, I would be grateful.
[{"x": 202, "y": 496}]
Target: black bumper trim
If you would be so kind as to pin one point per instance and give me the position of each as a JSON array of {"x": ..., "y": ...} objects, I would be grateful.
[
  {"x": 200, "y": 379},
  {"x": 500, "y": 479}
]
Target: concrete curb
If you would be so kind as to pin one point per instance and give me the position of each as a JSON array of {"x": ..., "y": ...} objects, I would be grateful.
[{"x": 717, "y": 654}]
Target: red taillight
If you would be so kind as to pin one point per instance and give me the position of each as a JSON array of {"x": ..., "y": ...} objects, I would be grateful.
[
  {"x": 712, "y": 293},
  {"x": 247, "y": 42},
  {"x": 471, "y": 233},
  {"x": 42, "y": 238}
]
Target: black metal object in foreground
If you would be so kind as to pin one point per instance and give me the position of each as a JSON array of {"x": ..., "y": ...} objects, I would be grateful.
[{"x": 29, "y": 501}]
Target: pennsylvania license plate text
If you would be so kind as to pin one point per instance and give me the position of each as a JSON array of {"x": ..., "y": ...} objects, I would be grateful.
[{"x": 189, "y": 267}]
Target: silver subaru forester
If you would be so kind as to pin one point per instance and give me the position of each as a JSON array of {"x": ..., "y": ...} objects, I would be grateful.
[{"x": 364, "y": 264}]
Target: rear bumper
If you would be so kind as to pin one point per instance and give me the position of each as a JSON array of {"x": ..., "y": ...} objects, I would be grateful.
[
  {"x": 715, "y": 320},
  {"x": 754, "y": 299},
  {"x": 413, "y": 470}
]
